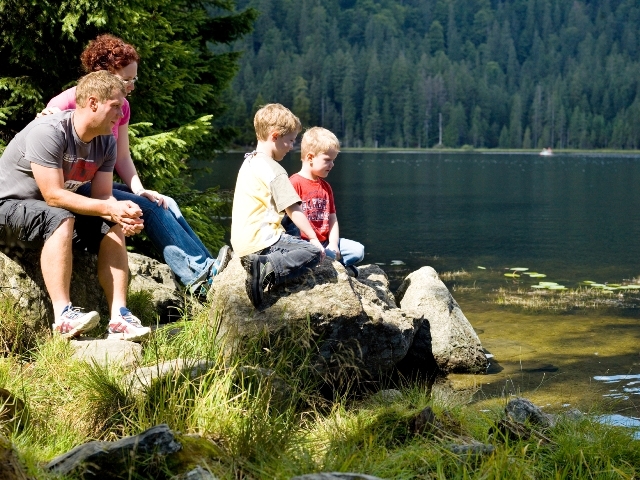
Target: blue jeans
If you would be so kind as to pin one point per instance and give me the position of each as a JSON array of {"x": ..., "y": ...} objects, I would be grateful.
[
  {"x": 351, "y": 252},
  {"x": 290, "y": 257},
  {"x": 170, "y": 233}
]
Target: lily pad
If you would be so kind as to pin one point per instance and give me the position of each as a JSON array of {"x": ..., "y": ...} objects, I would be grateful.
[
  {"x": 538, "y": 286},
  {"x": 588, "y": 282},
  {"x": 482, "y": 268},
  {"x": 632, "y": 287},
  {"x": 512, "y": 275},
  {"x": 519, "y": 269},
  {"x": 613, "y": 285},
  {"x": 537, "y": 275},
  {"x": 557, "y": 287},
  {"x": 548, "y": 284}
]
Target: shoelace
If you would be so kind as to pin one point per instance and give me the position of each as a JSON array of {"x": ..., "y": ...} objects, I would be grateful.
[
  {"x": 131, "y": 319},
  {"x": 72, "y": 312}
]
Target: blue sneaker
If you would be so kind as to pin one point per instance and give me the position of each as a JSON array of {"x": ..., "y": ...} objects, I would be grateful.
[
  {"x": 221, "y": 262},
  {"x": 200, "y": 287}
]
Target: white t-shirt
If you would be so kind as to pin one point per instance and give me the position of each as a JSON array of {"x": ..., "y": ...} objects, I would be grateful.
[{"x": 262, "y": 193}]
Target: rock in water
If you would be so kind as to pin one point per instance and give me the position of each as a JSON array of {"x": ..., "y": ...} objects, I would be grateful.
[
  {"x": 446, "y": 336},
  {"x": 522, "y": 410}
]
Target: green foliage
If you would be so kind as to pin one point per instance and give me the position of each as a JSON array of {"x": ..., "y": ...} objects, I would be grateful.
[
  {"x": 179, "y": 92},
  {"x": 382, "y": 71}
]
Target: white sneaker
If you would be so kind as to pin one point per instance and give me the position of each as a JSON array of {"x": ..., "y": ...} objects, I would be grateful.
[
  {"x": 73, "y": 321},
  {"x": 127, "y": 327}
]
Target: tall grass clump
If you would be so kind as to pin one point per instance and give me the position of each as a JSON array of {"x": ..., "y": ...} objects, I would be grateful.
[{"x": 19, "y": 334}]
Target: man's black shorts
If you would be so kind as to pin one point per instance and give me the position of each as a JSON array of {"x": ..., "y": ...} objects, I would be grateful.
[{"x": 27, "y": 224}]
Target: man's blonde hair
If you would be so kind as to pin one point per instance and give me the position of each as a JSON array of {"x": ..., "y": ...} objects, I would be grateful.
[
  {"x": 318, "y": 140},
  {"x": 100, "y": 84},
  {"x": 275, "y": 117}
]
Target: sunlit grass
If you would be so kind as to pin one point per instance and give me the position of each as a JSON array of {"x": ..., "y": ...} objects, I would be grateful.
[{"x": 259, "y": 410}]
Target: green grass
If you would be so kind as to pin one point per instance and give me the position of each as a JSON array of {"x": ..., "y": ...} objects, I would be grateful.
[{"x": 251, "y": 430}]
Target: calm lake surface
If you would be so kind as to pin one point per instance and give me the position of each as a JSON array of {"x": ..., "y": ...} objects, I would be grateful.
[{"x": 573, "y": 217}]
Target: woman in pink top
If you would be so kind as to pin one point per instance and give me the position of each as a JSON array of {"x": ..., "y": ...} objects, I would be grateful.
[{"x": 163, "y": 222}]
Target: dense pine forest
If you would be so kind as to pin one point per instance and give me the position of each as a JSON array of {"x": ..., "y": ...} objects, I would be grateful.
[{"x": 417, "y": 73}]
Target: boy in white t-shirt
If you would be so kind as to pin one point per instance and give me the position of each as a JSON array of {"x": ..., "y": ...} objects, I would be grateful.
[{"x": 263, "y": 193}]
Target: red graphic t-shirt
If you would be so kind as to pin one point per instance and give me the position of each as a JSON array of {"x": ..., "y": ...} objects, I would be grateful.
[{"x": 317, "y": 203}]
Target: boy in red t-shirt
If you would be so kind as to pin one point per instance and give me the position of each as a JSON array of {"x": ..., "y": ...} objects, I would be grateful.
[{"x": 319, "y": 150}]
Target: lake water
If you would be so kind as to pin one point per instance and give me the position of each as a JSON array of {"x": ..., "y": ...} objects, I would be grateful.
[{"x": 573, "y": 217}]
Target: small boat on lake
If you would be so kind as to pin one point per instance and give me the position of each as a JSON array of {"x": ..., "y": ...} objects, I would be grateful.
[{"x": 546, "y": 152}]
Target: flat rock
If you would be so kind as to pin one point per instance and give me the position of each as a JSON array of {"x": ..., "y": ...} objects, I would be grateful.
[
  {"x": 112, "y": 459},
  {"x": 105, "y": 352},
  {"x": 142, "y": 378},
  {"x": 445, "y": 337}
]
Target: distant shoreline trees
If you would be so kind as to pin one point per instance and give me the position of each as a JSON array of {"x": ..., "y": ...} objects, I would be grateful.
[{"x": 509, "y": 74}]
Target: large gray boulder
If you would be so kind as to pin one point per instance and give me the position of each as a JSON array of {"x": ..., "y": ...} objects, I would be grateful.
[
  {"x": 356, "y": 320},
  {"x": 21, "y": 279},
  {"x": 445, "y": 336},
  {"x": 352, "y": 321}
]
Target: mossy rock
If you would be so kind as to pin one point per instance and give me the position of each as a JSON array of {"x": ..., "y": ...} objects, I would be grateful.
[{"x": 196, "y": 451}]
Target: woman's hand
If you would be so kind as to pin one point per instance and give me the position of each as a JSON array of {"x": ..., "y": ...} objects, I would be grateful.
[
  {"x": 154, "y": 197},
  {"x": 48, "y": 111}
]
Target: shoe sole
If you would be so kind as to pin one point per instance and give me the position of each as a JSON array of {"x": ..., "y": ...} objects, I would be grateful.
[
  {"x": 131, "y": 337},
  {"x": 89, "y": 323},
  {"x": 253, "y": 271},
  {"x": 224, "y": 257}
]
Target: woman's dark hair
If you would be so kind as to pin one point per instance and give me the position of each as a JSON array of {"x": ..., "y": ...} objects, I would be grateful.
[{"x": 108, "y": 52}]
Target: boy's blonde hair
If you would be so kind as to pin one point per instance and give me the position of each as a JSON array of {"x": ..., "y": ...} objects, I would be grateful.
[
  {"x": 275, "y": 117},
  {"x": 99, "y": 84},
  {"x": 318, "y": 140}
]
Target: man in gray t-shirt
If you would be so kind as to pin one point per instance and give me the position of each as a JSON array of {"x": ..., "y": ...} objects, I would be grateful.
[{"x": 39, "y": 172}]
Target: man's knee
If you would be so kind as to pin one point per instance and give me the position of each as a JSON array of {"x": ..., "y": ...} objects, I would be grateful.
[
  {"x": 64, "y": 229},
  {"x": 115, "y": 233}
]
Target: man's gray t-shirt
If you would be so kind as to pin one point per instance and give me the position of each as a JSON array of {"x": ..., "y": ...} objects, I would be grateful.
[{"x": 52, "y": 141}]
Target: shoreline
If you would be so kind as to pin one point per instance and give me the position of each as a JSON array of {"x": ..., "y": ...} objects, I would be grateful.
[{"x": 462, "y": 150}]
